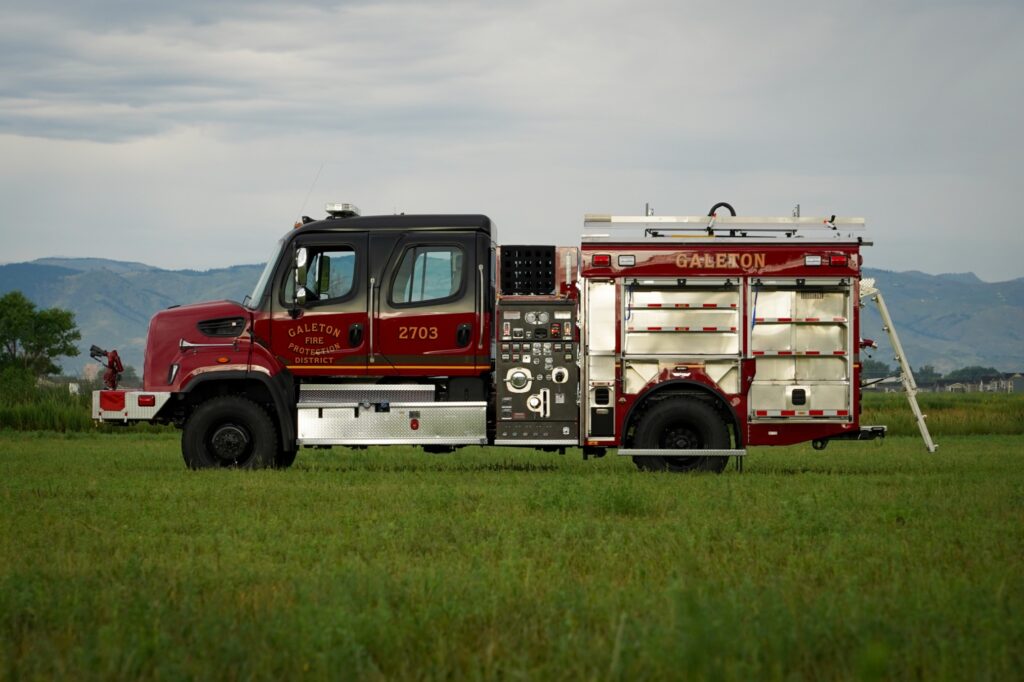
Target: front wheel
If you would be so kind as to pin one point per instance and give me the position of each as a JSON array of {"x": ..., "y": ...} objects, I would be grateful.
[
  {"x": 682, "y": 424},
  {"x": 229, "y": 431}
]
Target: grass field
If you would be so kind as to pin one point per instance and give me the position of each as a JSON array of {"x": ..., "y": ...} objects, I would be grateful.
[{"x": 864, "y": 561}]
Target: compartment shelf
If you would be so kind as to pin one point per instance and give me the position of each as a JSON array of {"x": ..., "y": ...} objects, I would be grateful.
[
  {"x": 800, "y": 320},
  {"x": 682, "y": 306},
  {"x": 689, "y": 330},
  {"x": 799, "y": 353}
]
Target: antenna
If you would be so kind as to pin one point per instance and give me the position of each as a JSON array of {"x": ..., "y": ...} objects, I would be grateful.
[
  {"x": 796, "y": 211},
  {"x": 648, "y": 210},
  {"x": 317, "y": 177}
]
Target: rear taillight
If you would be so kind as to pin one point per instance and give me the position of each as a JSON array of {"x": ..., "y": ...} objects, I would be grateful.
[
  {"x": 840, "y": 260},
  {"x": 147, "y": 400},
  {"x": 602, "y": 260}
]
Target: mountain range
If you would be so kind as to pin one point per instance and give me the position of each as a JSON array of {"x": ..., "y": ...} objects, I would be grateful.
[{"x": 947, "y": 321}]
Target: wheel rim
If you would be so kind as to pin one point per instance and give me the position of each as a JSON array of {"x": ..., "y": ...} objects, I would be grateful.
[
  {"x": 682, "y": 437},
  {"x": 230, "y": 443}
]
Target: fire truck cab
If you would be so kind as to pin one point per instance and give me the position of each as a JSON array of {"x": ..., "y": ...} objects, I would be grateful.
[{"x": 678, "y": 341}]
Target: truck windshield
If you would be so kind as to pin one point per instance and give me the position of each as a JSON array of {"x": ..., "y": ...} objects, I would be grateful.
[{"x": 252, "y": 301}]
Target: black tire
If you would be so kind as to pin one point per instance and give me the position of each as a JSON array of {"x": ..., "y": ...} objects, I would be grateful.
[
  {"x": 229, "y": 431},
  {"x": 285, "y": 458},
  {"x": 682, "y": 423}
]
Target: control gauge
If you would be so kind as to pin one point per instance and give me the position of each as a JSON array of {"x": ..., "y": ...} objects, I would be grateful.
[{"x": 537, "y": 317}]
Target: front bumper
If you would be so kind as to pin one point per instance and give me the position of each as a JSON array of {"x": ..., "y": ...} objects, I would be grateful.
[{"x": 128, "y": 406}]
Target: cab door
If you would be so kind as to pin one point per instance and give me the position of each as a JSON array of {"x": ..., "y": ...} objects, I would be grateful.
[
  {"x": 428, "y": 307},
  {"x": 328, "y": 333}
]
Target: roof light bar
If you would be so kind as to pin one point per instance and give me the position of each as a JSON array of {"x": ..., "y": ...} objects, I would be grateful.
[{"x": 344, "y": 210}]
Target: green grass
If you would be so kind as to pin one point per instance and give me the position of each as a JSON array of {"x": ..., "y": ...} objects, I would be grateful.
[
  {"x": 961, "y": 414},
  {"x": 863, "y": 561}
]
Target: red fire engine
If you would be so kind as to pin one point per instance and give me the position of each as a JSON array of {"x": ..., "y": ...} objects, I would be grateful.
[{"x": 679, "y": 341}]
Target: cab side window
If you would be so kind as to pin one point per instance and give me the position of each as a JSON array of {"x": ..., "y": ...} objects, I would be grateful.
[
  {"x": 428, "y": 274},
  {"x": 330, "y": 276}
]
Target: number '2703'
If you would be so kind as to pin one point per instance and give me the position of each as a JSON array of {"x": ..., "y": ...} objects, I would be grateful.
[{"x": 417, "y": 332}]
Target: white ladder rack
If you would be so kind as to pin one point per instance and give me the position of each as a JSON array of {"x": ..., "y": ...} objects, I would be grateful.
[
  {"x": 868, "y": 290},
  {"x": 725, "y": 226}
]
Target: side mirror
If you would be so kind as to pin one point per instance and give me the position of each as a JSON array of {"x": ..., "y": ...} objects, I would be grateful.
[
  {"x": 301, "y": 295},
  {"x": 323, "y": 285},
  {"x": 301, "y": 267}
]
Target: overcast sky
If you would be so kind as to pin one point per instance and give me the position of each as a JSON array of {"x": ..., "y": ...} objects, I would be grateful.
[{"x": 189, "y": 133}]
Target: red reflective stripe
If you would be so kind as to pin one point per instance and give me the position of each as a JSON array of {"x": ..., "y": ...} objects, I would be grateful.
[
  {"x": 758, "y": 319},
  {"x": 842, "y": 413},
  {"x": 788, "y": 413},
  {"x": 653, "y": 305},
  {"x": 762, "y": 413},
  {"x": 813, "y": 352},
  {"x": 839, "y": 352},
  {"x": 711, "y": 329},
  {"x": 785, "y": 352},
  {"x": 817, "y": 413},
  {"x": 758, "y": 352},
  {"x": 710, "y": 305},
  {"x": 812, "y": 319},
  {"x": 654, "y": 329}
]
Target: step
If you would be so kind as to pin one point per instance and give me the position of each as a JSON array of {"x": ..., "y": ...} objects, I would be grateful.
[{"x": 334, "y": 394}]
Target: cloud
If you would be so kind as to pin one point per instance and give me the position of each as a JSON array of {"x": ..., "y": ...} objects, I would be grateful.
[{"x": 167, "y": 116}]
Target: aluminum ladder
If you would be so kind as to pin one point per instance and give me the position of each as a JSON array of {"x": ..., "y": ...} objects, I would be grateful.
[{"x": 868, "y": 290}]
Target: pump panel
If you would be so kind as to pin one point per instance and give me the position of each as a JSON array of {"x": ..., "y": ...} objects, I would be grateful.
[{"x": 537, "y": 376}]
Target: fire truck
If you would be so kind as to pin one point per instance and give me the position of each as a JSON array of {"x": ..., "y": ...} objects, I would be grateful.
[{"x": 679, "y": 341}]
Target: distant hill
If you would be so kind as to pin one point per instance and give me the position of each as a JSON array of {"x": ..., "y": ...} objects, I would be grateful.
[
  {"x": 948, "y": 321},
  {"x": 113, "y": 301}
]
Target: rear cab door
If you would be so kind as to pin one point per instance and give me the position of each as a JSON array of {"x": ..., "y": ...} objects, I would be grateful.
[{"x": 429, "y": 291}]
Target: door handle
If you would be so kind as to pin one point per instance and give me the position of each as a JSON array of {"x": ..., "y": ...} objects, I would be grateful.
[
  {"x": 372, "y": 321},
  {"x": 463, "y": 334},
  {"x": 355, "y": 335}
]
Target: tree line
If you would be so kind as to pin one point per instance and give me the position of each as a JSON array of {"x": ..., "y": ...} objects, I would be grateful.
[{"x": 927, "y": 375}]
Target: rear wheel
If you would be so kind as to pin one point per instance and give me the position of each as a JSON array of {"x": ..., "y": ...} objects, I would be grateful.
[
  {"x": 285, "y": 458},
  {"x": 682, "y": 424},
  {"x": 229, "y": 431}
]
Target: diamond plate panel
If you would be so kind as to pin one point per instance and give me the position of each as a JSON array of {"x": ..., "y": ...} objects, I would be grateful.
[
  {"x": 438, "y": 423},
  {"x": 365, "y": 393}
]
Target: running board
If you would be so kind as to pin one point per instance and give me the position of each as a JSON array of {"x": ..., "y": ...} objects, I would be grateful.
[{"x": 652, "y": 452}]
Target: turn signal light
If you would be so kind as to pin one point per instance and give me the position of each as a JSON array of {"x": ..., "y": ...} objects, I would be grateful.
[{"x": 602, "y": 260}]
